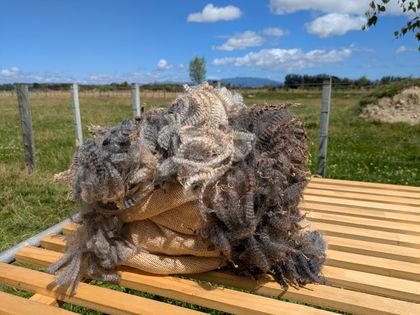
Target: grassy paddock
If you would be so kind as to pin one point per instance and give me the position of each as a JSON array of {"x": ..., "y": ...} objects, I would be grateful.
[
  {"x": 358, "y": 150},
  {"x": 29, "y": 203}
]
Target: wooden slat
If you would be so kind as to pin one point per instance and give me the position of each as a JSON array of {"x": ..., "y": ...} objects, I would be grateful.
[
  {"x": 69, "y": 228},
  {"x": 184, "y": 290},
  {"x": 374, "y": 237},
  {"x": 342, "y": 278},
  {"x": 393, "y": 252},
  {"x": 360, "y": 212},
  {"x": 15, "y": 305},
  {"x": 44, "y": 299},
  {"x": 343, "y": 232},
  {"x": 368, "y": 235},
  {"x": 354, "y": 261},
  {"x": 345, "y": 183},
  {"x": 376, "y": 265},
  {"x": 373, "y": 224},
  {"x": 207, "y": 295},
  {"x": 364, "y": 190},
  {"x": 362, "y": 196},
  {"x": 373, "y": 284},
  {"x": 363, "y": 204},
  {"x": 324, "y": 296},
  {"x": 54, "y": 242},
  {"x": 398, "y": 253},
  {"x": 93, "y": 297}
]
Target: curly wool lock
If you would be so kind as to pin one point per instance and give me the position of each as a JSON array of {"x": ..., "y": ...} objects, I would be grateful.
[{"x": 247, "y": 167}]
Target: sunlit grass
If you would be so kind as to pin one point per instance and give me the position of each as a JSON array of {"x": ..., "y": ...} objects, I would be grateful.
[
  {"x": 29, "y": 203},
  {"x": 358, "y": 150}
]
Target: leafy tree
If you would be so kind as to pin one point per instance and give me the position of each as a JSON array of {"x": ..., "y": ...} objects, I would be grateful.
[
  {"x": 297, "y": 80},
  {"x": 197, "y": 69},
  {"x": 363, "y": 81},
  {"x": 408, "y": 6}
]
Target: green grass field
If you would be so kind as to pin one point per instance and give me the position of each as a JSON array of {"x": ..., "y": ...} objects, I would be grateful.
[
  {"x": 29, "y": 203},
  {"x": 358, "y": 150}
]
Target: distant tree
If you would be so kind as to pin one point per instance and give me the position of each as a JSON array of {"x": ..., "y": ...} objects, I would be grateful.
[
  {"x": 292, "y": 80},
  {"x": 363, "y": 81},
  {"x": 389, "y": 79},
  {"x": 198, "y": 69},
  {"x": 295, "y": 81},
  {"x": 407, "y": 6}
]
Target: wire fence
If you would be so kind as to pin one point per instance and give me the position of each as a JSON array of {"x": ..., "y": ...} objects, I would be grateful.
[
  {"x": 151, "y": 94},
  {"x": 362, "y": 151}
]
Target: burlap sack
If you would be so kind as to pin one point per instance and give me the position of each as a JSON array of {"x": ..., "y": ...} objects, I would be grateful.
[
  {"x": 157, "y": 202},
  {"x": 166, "y": 224},
  {"x": 162, "y": 264}
]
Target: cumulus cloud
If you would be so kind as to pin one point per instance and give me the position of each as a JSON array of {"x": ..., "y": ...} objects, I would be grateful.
[
  {"x": 14, "y": 74},
  {"x": 163, "y": 65},
  {"x": 211, "y": 14},
  {"x": 403, "y": 49},
  {"x": 335, "y": 24},
  {"x": 241, "y": 41},
  {"x": 327, "y": 6},
  {"x": 339, "y": 16},
  {"x": 286, "y": 59},
  {"x": 275, "y": 31}
]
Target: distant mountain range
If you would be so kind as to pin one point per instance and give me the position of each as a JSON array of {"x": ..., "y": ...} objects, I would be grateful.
[
  {"x": 250, "y": 82},
  {"x": 242, "y": 82}
]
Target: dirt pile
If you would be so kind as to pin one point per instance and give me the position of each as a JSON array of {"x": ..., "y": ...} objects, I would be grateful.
[{"x": 403, "y": 107}]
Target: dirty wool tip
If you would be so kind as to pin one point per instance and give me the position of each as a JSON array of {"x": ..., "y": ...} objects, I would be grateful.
[{"x": 205, "y": 183}]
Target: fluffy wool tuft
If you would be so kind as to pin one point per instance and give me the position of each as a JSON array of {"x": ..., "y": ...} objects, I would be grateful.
[{"x": 247, "y": 166}]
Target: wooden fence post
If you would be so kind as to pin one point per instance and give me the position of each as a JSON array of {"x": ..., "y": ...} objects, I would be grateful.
[
  {"x": 76, "y": 114},
  {"x": 26, "y": 124},
  {"x": 323, "y": 140},
  {"x": 135, "y": 99}
]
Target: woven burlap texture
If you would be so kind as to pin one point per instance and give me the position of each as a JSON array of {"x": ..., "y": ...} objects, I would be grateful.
[{"x": 165, "y": 223}]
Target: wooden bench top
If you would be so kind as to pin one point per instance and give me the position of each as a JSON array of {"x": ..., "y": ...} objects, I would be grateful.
[{"x": 373, "y": 267}]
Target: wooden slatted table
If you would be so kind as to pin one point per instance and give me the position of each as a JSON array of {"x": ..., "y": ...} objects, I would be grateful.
[{"x": 373, "y": 266}]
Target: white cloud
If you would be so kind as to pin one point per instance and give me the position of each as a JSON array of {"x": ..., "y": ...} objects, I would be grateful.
[
  {"x": 274, "y": 31},
  {"x": 403, "y": 49},
  {"x": 11, "y": 73},
  {"x": 335, "y": 24},
  {"x": 14, "y": 74},
  {"x": 286, "y": 59},
  {"x": 340, "y": 16},
  {"x": 211, "y": 14},
  {"x": 163, "y": 65},
  {"x": 241, "y": 41},
  {"x": 328, "y": 6}
]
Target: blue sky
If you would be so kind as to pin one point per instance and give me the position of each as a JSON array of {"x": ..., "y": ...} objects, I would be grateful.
[{"x": 147, "y": 41}]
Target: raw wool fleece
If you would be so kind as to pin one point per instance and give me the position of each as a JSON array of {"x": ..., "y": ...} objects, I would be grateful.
[{"x": 245, "y": 167}]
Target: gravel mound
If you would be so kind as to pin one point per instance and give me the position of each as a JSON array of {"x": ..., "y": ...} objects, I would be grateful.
[{"x": 403, "y": 107}]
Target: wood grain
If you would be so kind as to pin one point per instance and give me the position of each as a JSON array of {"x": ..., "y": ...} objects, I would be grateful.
[{"x": 15, "y": 305}]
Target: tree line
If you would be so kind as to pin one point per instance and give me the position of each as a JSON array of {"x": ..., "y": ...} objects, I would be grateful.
[
  {"x": 293, "y": 81},
  {"x": 304, "y": 80}
]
